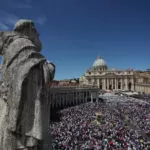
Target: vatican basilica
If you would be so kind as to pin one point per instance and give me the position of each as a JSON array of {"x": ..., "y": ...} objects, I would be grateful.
[{"x": 108, "y": 79}]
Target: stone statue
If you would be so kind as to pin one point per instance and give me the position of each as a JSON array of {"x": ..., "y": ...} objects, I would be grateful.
[{"x": 24, "y": 106}]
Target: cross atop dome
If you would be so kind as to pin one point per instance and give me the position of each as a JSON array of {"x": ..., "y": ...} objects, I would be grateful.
[{"x": 98, "y": 57}]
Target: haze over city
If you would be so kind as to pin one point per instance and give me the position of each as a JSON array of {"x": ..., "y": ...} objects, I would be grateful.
[{"x": 74, "y": 33}]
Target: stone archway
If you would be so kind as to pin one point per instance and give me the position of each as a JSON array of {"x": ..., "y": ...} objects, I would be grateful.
[
  {"x": 119, "y": 85},
  {"x": 100, "y": 86},
  {"x": 110, "y": 87},
  {"x": 129, "y": 86}
]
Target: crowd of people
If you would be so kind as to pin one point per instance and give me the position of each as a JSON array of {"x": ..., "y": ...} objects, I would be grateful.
[{"x": 124, "y": 125}]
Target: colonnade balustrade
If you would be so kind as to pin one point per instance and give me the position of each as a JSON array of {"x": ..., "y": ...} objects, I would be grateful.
[
  {"x": 61, "y": 96},
  {"x": 142, "y": 88}
]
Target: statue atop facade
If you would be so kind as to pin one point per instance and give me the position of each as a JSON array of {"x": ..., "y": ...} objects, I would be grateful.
[{"x": 24, "y": 106}]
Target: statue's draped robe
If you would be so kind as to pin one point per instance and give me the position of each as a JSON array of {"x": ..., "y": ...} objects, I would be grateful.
[{"x": 26, "y": 103}]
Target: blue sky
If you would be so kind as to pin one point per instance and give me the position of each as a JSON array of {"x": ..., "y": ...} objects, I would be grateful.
[{"x": 75, "y": 32}]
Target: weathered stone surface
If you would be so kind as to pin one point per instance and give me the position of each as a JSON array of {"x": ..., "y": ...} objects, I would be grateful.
[{"x": 24, "y": 105}]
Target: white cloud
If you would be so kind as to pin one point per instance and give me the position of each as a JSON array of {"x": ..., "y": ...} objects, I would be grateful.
[
  {"x": 28, "y": 1},
  {"x": 21, "y": 5},
  {"x": 41, "y": 20},
  {"x": 8, "y": 18},
  {"x": 3, "y": 26},
  {"x": 24, "y": 4}
]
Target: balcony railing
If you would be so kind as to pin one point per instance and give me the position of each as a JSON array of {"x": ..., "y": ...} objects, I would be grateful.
[{"x": 74, "y": 86}]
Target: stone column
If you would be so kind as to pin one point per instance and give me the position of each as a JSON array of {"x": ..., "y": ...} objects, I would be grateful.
[
  {"x": 132, "y": 87},
  {"x": 76, "y": 98},
  {"x": 70, "y": 98},
  {"x": 54, "y": 100},
  {"x": 51, "y": 100},
  {"x": 117, "y": 83},
  {"x": 97, "y": 97},
  {"x": 82, "y": 97},
  {"x": 79, "y": 97},
  {"x": 59, "y": 100},
  {"x": 73, "y": 98},
  {"x": 112, "y": 86},
  {"x": 63, "y": 97},
  {"x": 107, "y": 84},
  {"x": 98, "y": 83},
  {"x": 104, "y": 84},
  {"x": 66, "y": 99},
  {"x": 114, "y": 83},
  {"x": 85, "y": 96},
  {"x": 147, "y": 90},
  {"x": 121, "y": 84},
  {"x": 91, "y": 97},
  {"x": 126, "y": 84}
]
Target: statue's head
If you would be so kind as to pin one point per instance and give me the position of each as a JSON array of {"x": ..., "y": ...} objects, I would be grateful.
[{"x": 27, "y": 28}]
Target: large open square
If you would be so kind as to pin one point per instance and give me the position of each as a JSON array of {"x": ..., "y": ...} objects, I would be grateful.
[{"x": 124, "y": 124}]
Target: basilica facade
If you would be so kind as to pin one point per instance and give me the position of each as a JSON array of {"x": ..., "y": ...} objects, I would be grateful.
[{"x": 108, "y": 79}]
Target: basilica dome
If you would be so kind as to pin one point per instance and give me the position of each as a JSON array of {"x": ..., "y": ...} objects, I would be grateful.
[{"x": 99, "y": 62}]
